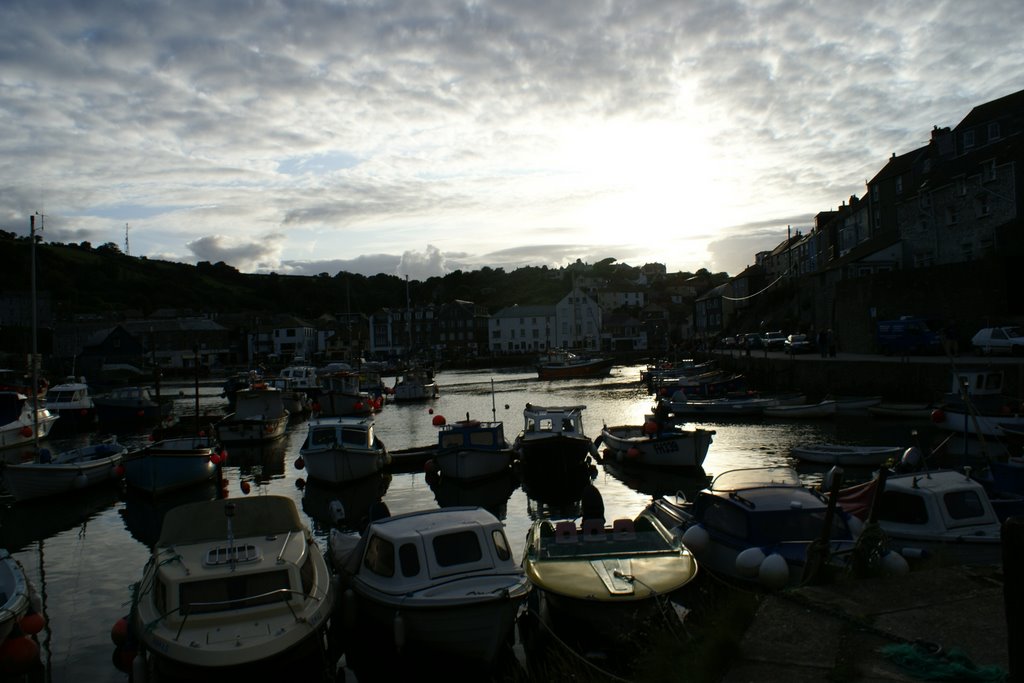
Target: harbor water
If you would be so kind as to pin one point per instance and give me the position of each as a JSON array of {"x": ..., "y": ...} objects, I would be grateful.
[{"x": 83, "y": 552}]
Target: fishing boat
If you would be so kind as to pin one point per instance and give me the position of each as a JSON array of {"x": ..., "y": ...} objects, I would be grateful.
[
  {"x": 415, "y": 384},
  {"x": 234, "y": 589},
  {"x": 457, "y": 592},
  {"x": 295, "y": 401},
  {"x": 755, "y": 527},
  {"x": 471, "y": 449},
  {"x": 902, "y": 411},
  {"x": 341, "y": 449},
  {"x": 563, "y": 364},
  {"x": 603, "y": 579},
  {"x": 671, "y": 446},
  {"x": 259, "y": 417},
  {"x": 728, "y": 406},
  {"x": 847, "y": 455},
  {"x": 171, "y": 464},
  {"x": 553, "y": 441},
  {"x": 855, "y": 404},
  {"x": 22, "y": 422},
  {"x": 341, "y": 395},
  {"x": 976, "y": 404},
  {"x": 73, "y": 469}
]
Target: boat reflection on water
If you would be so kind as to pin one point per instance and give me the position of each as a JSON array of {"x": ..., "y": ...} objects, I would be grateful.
[
  {"x": 36, "y": 520},
  {"x": 557, "y": 489},
  {"x": 259, "y": 462},
  {"x": 349, "y": 507},
  {"x": 656, "y": 482},
  {"x": 143, "y": 515},
  {"x": 491, "y": 493}
]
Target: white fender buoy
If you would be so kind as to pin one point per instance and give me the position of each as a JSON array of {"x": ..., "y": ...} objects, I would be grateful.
[
  {"x": 774, "y": 572},
  {"x": 749, "y": 562},
  {"x": 399, "y": 626},
  {"x": 894, "y": 564},
  {"x": 696, "y": 538},
  {"x": 337, "y": 510},
  {"x": 81, "y": 481},
  {"x": 856, "y": 525},
  {"x": 139, "y": 672}
]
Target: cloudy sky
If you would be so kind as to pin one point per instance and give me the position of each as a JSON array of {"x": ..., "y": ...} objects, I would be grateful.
[{"x": 417, "y": 137}]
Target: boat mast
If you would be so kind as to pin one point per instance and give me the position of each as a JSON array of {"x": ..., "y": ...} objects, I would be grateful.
[{"x": 34, "y": 389}]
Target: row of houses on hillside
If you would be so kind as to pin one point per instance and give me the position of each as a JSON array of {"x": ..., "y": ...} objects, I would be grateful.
[{"x": 952, "y": 200}]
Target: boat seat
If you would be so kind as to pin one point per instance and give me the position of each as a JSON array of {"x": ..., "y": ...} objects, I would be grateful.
[
  {"x": 623, "y": 530},
  {"x": 565, "y": 532},
  {"x": 593, "y": 530}
]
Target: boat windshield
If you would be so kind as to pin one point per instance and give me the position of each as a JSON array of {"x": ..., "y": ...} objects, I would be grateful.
[{"x": 737, "y": 480}]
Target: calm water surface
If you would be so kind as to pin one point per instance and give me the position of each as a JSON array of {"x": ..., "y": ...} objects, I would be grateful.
[{"x": 84, "y": 552}]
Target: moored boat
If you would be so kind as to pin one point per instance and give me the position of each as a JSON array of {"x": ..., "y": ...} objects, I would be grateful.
[
  {"x": 471, "y": 449},
  {"x": 69, "y": 470},
  {"x": 562, "y": 364},
  {"x": 803, "y": 411},
  {"x": 72, "y": 402},
  {"x": 14, "y": 593},
  {"x": 458, "y": 591},
  {"x": 22, "y": 423},
  {"x": 604, "y": 580},
  {"x": 645, "y": 444},
  {"x": 171, "y": 464},
  {"x": 553, "y": 441},
  {"x": 341, "y": 395},
  {"x": 259, "y": 416},
  {"x": 847, "y": 455},
  {"x": 234, "y": 588},
  {"x": 130, "y": 405},
  {"x": 341, "y": 449},
  {"x": 976, "y": 405},
  {"x": 415, "y": 384}
]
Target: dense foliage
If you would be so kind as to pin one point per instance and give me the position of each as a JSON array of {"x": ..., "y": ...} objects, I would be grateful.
[{"x": 80, "y": 278}]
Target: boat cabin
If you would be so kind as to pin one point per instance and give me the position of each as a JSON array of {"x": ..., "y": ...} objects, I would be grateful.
[
  {"x": 977, "y": 382},
  {"x": 259, "y": 402},
  {"x": 345, "y": 432},
  {"x": 556, "y": 420},
  {"x": 412, "y": 552},
  {"x": 472, "y": 435},
  {"x": 944, "y": 503}
]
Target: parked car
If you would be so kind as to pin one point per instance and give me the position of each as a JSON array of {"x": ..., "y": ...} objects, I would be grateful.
[
  {"x": 799, "y": 343},
  {"x": 774, "y": 341},
  {"x": 727, "y": 343},
  {"x": 1006, "y": 339},
  {"x": 753, "y": 341}
]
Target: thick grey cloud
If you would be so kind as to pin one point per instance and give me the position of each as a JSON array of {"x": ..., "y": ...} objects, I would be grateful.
[{"x": 436, "y": 134}]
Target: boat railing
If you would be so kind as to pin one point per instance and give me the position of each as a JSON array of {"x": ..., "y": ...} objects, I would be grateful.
[{"x": 285, "y": 593}]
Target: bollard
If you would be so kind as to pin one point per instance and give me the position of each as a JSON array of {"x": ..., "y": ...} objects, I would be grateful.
[{"x": 1013, "y": 594}]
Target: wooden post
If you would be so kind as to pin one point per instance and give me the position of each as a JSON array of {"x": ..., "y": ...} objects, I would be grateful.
[{"x": 1013, "y": 594}]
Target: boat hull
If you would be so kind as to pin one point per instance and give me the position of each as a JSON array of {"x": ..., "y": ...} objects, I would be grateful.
[
  {"x": 26, "y": 481},
  {"x": 834, "y": 454},
  {"x": 556, "y": 455},
  {"x": 337, "y": 466},
  {"x": 159, "y": 469},
  {"x": 15, "y": 588},
  {"x": 469, "y": 465},
  {"x": 252, "y": 431}
]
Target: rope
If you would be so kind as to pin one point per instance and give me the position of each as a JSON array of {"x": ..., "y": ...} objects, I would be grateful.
[{"x": 578, "y": 656}]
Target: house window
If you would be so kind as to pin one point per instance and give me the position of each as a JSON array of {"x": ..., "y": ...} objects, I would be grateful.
[
  {"x": 983, "y": 207},
  {"x": 968, "y": 139},
  {"x": 899, "y": 184},
  {"x": 993, "y": 130},
  {"x": 988, "y": 170},
  {"x": 952, "y": 215},
  {"x": 961, "y": 186},
  {"x": 966, "y": 250}
]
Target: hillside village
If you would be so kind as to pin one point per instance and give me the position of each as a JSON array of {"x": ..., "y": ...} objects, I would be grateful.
[{"x": 936, "y": 234}]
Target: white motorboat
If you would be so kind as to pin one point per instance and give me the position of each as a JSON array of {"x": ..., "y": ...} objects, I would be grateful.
[
  {"x": 14, "y": 591},
  {"x": 470, "y": 450},
  {"x": 943, "y": 513},
  {"x": 415, "y": 385},
  {"x": 22, "y": 422},
  {"x": 803, "y": 411},
  {"x": 237, "y": 587},
  {"x": 553, "y": 441},
  {"x": 72, "y": 402},
  {"x": 341, "y": 449},
  {"x": 443, "y": 581}
]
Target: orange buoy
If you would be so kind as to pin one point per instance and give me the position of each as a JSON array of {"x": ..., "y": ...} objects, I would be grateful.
[
  {"x": 633, "y": 453},
  {"x": 32, "y": 623},
  {"x": 17, "y": 655},
  {"x": 938, "y": 415},
  {"x": 650, "y": 427},
  {"x": 438, "y": 420},
  {"x": 119, "y": 631},
  {"x": 246, "y": 488}
]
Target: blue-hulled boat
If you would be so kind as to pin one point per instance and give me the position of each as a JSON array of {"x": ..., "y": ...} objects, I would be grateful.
[{"x": 172, "y": 464}]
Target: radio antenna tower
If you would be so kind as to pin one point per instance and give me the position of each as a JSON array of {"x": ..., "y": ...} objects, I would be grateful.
[{"x": 127, "y": 251}]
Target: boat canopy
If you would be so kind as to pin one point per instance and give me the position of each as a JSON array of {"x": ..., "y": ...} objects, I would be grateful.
[
  {"x": 206, "y": 520},
  {"x": 755, "y": 477}
]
